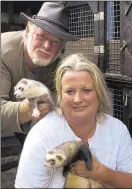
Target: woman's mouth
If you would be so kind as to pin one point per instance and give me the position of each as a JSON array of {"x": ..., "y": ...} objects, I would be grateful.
[{"x": 79, "y": 108}]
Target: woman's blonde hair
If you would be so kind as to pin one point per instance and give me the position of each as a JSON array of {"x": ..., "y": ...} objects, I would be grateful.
[{"x": 77, "y": 62}]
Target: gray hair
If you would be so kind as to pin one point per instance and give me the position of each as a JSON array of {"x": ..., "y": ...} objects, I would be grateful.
[{"x": 77, "y": 62}]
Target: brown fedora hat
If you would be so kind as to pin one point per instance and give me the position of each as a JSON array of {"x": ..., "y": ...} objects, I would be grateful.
[{"x": 54, "y": 18}]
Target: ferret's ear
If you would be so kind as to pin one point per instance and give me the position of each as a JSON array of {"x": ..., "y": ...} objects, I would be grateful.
[{"x": 25, "y": 81}]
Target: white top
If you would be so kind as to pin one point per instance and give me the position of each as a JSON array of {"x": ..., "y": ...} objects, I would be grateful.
[{"x": 111, "y": 144}]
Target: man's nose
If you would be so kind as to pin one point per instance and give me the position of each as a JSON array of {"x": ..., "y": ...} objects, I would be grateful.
[{"x": 47, "y": 44}]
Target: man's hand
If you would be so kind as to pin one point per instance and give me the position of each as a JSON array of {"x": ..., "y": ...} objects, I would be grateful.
[
  {"x": 25, "y": 111},
  {"x": 44, "y": 108}
]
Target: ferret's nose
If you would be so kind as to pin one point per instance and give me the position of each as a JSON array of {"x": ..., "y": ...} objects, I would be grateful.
[
  {"x": 52, "y": 161},
  {"x": 15, "y": 93}
]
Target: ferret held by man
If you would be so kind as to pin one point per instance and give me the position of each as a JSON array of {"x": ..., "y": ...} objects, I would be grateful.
[{"x": 33, "y": 90}]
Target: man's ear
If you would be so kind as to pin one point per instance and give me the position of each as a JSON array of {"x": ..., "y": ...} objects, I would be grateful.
[{"x": 27, "y": 31}]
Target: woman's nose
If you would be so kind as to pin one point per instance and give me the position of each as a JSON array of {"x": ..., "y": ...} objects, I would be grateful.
[{"x": 77, "y": 98}]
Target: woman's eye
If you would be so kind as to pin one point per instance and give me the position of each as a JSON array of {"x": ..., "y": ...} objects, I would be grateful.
[
  {"x": 86, "y": 90},
  {"x": 69, "y": 92}
]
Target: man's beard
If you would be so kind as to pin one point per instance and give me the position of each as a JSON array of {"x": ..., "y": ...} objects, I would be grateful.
[{"x": 36, "y": 59}]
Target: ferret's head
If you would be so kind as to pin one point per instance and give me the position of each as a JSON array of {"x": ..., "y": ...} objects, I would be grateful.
[
  {"x": 54, "y": 160},
  {"x": 21, "y": 88}
]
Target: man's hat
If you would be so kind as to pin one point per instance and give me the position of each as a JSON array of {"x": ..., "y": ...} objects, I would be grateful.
[{"x": 54, "y": 18}]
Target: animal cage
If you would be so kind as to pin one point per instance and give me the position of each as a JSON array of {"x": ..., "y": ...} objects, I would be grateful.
[
  {"x": 118, "y": 91},
  {"x": 113, "y": 37},
  {"x": 82, "y": 24}
]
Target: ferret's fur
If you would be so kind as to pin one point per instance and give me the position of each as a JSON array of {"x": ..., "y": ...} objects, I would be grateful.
[
  {"x": 75, "y": 181},
  {"x": 62, "y": 154},
  {"x": 66, "y": 154},
  {"x": 33, "y": 90}
]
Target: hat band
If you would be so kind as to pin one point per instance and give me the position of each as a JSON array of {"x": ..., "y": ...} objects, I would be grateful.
[{"x": 50, "y": 20}]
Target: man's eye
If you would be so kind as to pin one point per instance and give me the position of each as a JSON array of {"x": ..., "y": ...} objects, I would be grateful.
[
  {"x": 40, "y": 36},
  {"x": 56, "y": 43}
]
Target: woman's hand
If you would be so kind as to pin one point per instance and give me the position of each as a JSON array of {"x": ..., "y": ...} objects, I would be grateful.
[
  {"x": 80, "y": 169},
  {"x": 102, "y": 174}
]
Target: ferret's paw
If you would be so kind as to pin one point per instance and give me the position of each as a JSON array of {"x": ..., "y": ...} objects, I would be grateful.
[
  {"x": 36, "y": 113},
  {"x": 58, "y": 111}
]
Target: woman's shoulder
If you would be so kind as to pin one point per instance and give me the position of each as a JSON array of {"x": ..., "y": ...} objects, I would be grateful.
[
  {"x": 52, "y": 117},
  {"x": 50, "y": 131},
  {"x": 110, "y": 119},
  {"x": 112, "y": 123},
  {"x": 50, "y": 123}
]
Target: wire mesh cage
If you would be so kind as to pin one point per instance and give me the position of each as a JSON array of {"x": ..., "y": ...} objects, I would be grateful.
[
  {"x": 113, "y": 37},
  {"x": 82, "y": 25},
  {"x": 116, "y": 93}
]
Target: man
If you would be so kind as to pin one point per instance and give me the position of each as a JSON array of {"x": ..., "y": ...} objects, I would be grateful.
[{"x": 29, "y": 54}]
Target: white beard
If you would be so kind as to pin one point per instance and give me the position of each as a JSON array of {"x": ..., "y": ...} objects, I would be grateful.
[{"x": 36, "y": 59}]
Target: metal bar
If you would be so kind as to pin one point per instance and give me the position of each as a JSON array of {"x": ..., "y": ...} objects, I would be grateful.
[
  {"x": 122, "y": 23},
  {"x": 99, "y": 39}
]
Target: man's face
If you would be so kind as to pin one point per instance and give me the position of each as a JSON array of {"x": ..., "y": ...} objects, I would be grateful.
[{"x": 42, "y": 46}]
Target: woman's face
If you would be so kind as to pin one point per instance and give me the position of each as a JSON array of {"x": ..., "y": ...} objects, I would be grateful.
[{"x": 79, "y": 99}]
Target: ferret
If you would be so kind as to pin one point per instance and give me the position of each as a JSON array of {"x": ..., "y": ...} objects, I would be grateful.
[
  {"x": 75, "y": 181},
  {"x": 67, "y": 154},
  {"x": 33, "y": 90}
]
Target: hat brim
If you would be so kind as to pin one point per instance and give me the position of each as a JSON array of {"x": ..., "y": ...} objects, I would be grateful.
[{"x": 49, "y": 27}]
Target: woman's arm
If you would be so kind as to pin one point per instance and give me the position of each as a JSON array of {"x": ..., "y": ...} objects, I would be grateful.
[
  {"x": 106, "y": 176},
  {"x": 31, "y": 173},
  {"x": 117, "y": 179}
]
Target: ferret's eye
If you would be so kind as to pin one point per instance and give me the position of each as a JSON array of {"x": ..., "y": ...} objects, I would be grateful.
[
  {"x": 59, "y": 157},
  {"x": 21, "y": 88}
]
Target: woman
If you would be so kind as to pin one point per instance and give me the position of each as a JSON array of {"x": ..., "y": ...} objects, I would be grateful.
[{"x": 83, "y": 98}]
